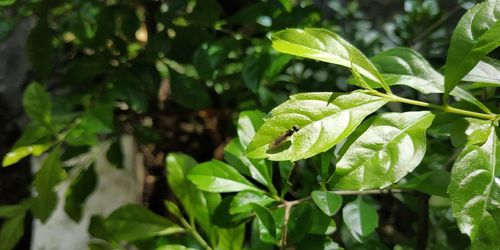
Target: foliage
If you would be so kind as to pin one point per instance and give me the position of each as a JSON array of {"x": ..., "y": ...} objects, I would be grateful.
[{"x": 310, "y": 173}]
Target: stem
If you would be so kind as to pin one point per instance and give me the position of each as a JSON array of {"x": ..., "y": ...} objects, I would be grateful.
[
  {"x": 284, "y": 235},
  {"x": 448, "y": 109},
  {"x": 195, "y": 234}
]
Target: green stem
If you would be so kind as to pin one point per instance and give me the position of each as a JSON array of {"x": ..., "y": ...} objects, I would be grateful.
[
  {"x": 195, "y": 234},
  {"x": 445, "y": 108}
]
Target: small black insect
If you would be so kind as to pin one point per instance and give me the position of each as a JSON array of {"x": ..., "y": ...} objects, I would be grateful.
[{"x": 285, "y": 136}]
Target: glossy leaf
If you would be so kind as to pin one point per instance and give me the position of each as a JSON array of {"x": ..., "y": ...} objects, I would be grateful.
[
  {"x": 475, "y": 35},
  {"x": 299, "y": 223},
  {"x": 46, "y": 179},
  {"x": 241, "y": 203},
  {"x": 360, "y": 218},
  {"x": 468, "y": 130},
  {"x": 218, "y": 177},
  {"x": 323, "y": 119},
  {"x": 433, "y": 183},
  {"x": 321, "y": 223},
  {"x": 326, "y": 46},
  {"x": 404, "y": 66},
  {"x": 249, "y": 122},
  {"x": 19, "y": 153},
  {"x": 255, "y": 168},
  {"x": 11, "y": 232},
  {"x": 475, "y": 193},
  {"x": 79, "y": 190},
  {"x": 486, "y": 71},
  {"x": 328, "y": 202},
  {"x": 37, "y": 103},
  {"x": 266, "y": 218},
  {"x": 133, "y": 222},
  {"x": 389, "y": 146}
]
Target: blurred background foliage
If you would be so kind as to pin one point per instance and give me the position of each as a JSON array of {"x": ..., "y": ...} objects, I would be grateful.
[{"x": 176, "y": 73}]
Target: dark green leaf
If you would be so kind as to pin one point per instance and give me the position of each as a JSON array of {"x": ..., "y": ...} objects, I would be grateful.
[
  {"x": 7, "y": 2},
  {"x": 433, "y": 182},
  {"x": 468, "y": 130},
  {"x": 97, "y": 229},
  {"x": 255, "y": 168},
  {"x": 323, "y": 119},
  {"x": 79, "y": 190},
  {"x": 231, "y": 238},
  {"x": 326, "y": 46},
  {"x": 9, "y": 211},
  {"x": 115, "y": 154},
  {"x": 242, "y": 201},
  {"x": 12, "y": 231},
  {"x": 40, "y": 49},
  {"x": 218, "y": 177},
  {"x": 45, "y": 181},
  {"x": 188, "y": 92},
  {"x": 475, "y": 193},
  {"x": 254, "y": 69},
  {"x": 328, "y": 202},
  {"x": 266, "y": 219},
  {"x": 360, "y": 217},
  {"x": 133, "y": 222},
  {"x": 223, "y": 218},
  {"x": 299, "y": 223},
  {"x": 475, "y": 36},
  {"x": 317, "y": 242},
  {"x": 38, "y": 104},
  {"x": 321, "y": 223},
  {"x": 393, "y": 145}
]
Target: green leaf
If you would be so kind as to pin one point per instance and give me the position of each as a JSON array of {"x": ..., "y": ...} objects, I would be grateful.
[
  {"x": 360, "y": 218},
  {"x": 79, "y": 190},
  {"x": 132, "y": 222},
  {"x": 328, "y": 202},
  {"x": 388, "y": 147},
  {"x": 475, "y": 35},
  {"x": 242, "y": 201},
  {"x": 45, "y": 181},
  {"x": 318, "y": 242},
  {"x": 433, "y": 183},
  {"x": 7, "y": 2},
  {"x": 17, "y": 154},
  {"x": 475, "y": 193},
  {"x": 299, "y": 223},
  {"x": 38, "y": 104},
  {"x": 326, "y": 46},
  {"x": 468, "y": 130},
  {"x": 486, "y": 71},
  {"x": 209, "y": 56},
  {"x": 188, "y": 92},
  {"x": 323, "y": 119},
  {"x": 39, "y": 47},
  {"x": 266, "y": 219},
  {"x": 321, "y": 223},
  {"x": 218, "y": 177},
  {"x": 254, "y": 70},
  {"x": 287, "y": 5},
  {"x": 195, "y": 203},
  {"x": 231, "y": 238},
  {"x": 11, "y": 232},
  {"x": 249, "y": 121},
  {"x": 9, "y": 211},
  {"x": 255, "y": 168},
  {"x": 404, "y": 66}
]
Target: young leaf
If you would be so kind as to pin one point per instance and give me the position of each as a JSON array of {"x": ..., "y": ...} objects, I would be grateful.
[
  {"x": 218, "y": 177},
  {"x": 38, "y": 104},
  {"x": 45, "y": 181},
  {"x": 475, "y": 36},
  {"x": 266, "y": 218},
  {"x": 404, "y": 66},
  {"x": 133, "y": 222},
  {"x": 322, "y": 119},
  {"x": 328, "y": 202},
  {"x": 360, "y": 217},
  {"x": 475, "y": 193},
  {"x": 11, "y": 232},
  {"x": 326, "y": 46},
  {"x": 390, "y": 146},
  {"x": 78, "y": 192},
  {"x": 17, "y": 154},
  {"x": 242, "y": 201}
]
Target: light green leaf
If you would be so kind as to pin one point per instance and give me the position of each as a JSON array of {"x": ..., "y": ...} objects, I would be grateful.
[
  {"x": 360, "y": 218},
  {"x": 45, "y": 181},
  {"x": 328, "y": 202},
  {"x": 404, "y": 66},
  {"x": 287, "y": 5},
  {"x": 475, "y": 193},
  {"x": 38, "y": 104},
  {"x": 326, "y": 46},
  {"x": 218, "y": 177},
  {"x": 468, "y": 130},
  {"x": 7, "y": 2},
  {"x": 475, "y": 36},
  {"x": 79, "y": 190},
  {"x": 11, "y": 232},
  {"x": 255, "y": 168},
  {"x": 17, "y": 154},
  {"x": 249, "y": 121},
  {"x": 389, "y": 146},
  {"x": 486, "y": 71},
  {"x": 231, "y": 238},
  {"x": 266, "y": 219},
  {"x": 242, "y": 201},
  {"x": 195, "y": 203},
  {"x": 133, "y": 222},
  {"x": 323, "y": 119}
]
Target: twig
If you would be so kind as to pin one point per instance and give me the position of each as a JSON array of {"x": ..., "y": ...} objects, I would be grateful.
[{"x": 284, "y": 234}]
